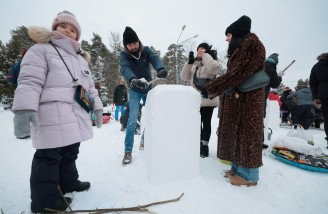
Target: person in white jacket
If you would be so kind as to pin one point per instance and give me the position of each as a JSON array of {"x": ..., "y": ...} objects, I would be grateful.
[
  {"x": 45, "y": 108},
  {"x": 204, "y": 66}
]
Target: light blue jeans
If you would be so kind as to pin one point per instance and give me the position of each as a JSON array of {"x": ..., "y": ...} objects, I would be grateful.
[
  {"x": 134, "y": 105},
  {"x": 250, "y": 174},
  {"x": 117, "y": 110}
]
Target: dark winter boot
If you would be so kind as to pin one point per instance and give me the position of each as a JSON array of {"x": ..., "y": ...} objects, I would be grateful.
[
  {"x": 59, "y": 205},
  {"x": 265, "y": 146},
  {"x": 82, "y": 186},
  {"x": 127, "y": 158},
  {"x": 203, "y": 150}
]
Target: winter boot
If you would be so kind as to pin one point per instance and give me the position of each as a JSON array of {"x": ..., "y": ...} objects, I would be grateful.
[
  {"x": 239, "y": 181},
  {"x": 142, "y": 146},
  {"x": 82, "y": 186},
  {"x": 59, "y": 205},
  {"x": 127, "y": 158},
  {"x": 265, "y": 146},
  {"x": 203, "y": 150}
]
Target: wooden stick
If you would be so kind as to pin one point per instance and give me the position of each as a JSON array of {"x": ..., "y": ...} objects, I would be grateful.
[{"x": 139, "y": 208}]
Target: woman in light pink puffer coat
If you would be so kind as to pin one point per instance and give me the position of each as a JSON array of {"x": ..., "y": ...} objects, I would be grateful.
[{"x": 45, "y": 97}]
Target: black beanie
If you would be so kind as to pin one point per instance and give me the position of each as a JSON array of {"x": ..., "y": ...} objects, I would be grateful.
[
  {"x": 203, "y": 45},
  {"x": 241, "y": 27},
  {"x": 129, "y": 36}
]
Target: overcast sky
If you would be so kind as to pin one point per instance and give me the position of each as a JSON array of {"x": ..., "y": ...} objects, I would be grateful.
[{"x": 296, "y": 29}]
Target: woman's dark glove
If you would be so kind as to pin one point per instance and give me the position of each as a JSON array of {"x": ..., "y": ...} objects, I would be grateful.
[{"x": 191, "y": 57}]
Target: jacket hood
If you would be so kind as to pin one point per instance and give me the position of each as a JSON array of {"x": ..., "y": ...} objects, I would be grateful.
[
  {"x": 43, "y": 35},
  {"x": 305, "y": 90},
  {"x": 323, "y": 56}
]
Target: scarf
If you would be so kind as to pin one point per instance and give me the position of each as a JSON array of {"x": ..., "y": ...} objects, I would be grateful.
[{"x": 76, "y": 45}]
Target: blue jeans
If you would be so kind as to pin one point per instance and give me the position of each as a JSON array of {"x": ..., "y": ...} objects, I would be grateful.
[
  {"x": 134, "y": 105},
  {"x": 250, "y": 174},
  {"x": 117, "y": 110}
]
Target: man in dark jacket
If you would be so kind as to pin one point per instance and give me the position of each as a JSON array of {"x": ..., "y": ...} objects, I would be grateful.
[
  {"x": 135, "y": 62},
  {"x": 319, "y": 86},
  {"x": 302, "y": 113},
  {"x": 119, "y": 98}
]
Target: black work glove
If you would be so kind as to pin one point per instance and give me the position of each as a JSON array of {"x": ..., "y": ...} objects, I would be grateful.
[
  {"x": 214, "y": 54},
  {"x": 162, "y": 73},
  {"x": 141, "y": 84},
  {"x": 191, "y": 58},
  {"x": 204, "y": 93}
]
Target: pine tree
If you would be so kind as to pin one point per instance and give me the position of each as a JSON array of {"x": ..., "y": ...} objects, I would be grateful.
[{"x": 10, "y": 54}]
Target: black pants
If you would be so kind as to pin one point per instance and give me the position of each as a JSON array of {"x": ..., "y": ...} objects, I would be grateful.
[
  {"x": 324, "y": 108},
  {"x": 302, "y": 115},
  {"x": 52, "y": 168},
  {"x": 284, "y": 116},
  {"x": 205, "y": 125}
]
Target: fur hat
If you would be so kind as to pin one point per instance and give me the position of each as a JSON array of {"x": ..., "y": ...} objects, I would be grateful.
[
  {"x": 67, "y": 17},
  {"x": 273, "y": 58},
  {"x": 129, "y": 36},
  {"x": 204, "y": 45},
  {"x": 241, "y": 27}
]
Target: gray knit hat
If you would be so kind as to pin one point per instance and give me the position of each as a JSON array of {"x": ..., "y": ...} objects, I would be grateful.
[
  {"x": 67, "y": 17},
  {"x": 273, "y": 58}
]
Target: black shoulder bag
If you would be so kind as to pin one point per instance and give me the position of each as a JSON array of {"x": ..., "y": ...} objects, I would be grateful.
[{"x": 200, "y": 83}]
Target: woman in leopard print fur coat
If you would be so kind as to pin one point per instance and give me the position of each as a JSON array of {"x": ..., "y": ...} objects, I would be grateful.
[{"x": 240, "y": 131}]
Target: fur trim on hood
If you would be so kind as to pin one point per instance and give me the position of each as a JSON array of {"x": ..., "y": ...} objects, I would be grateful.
[
  {"x": 323, "y": 56},
  {"x": 43, "y": 35}
]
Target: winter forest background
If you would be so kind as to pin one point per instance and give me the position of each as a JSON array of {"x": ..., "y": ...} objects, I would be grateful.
[{"x": 104, "y": 61}]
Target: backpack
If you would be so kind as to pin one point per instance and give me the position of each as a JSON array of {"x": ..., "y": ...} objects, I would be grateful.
[{"x": 13, "y": 73}]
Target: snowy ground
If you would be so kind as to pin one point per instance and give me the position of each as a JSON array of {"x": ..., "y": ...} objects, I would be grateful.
[{"x": 281, "y": 189}]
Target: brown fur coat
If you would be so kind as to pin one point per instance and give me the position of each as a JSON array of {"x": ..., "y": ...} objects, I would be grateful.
[{"x": 240, "y": 131}]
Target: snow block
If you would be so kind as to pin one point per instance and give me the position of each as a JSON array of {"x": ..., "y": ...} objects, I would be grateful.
[
  {"x": 172, "y": 133},
  {"x": 272, "y": 119}
]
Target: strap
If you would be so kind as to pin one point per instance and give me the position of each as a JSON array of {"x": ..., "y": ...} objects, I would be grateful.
[{"x": 63, "y": 61}]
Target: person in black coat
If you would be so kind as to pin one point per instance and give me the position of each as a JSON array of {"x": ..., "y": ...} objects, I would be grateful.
[
  {"x": 319, "y": 86},
  {"x": 287, "y": 105},
  {"x": 119, "y": 98},
  {"x": 275, "y": 80},
  {"x": 271, "y": 70}
]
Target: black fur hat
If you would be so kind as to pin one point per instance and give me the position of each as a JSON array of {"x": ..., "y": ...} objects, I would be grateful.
[
  {"x": 241, "y": 27},
  {"x": 204, "y": 45},
  {"x": 129, "y": 36}
]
